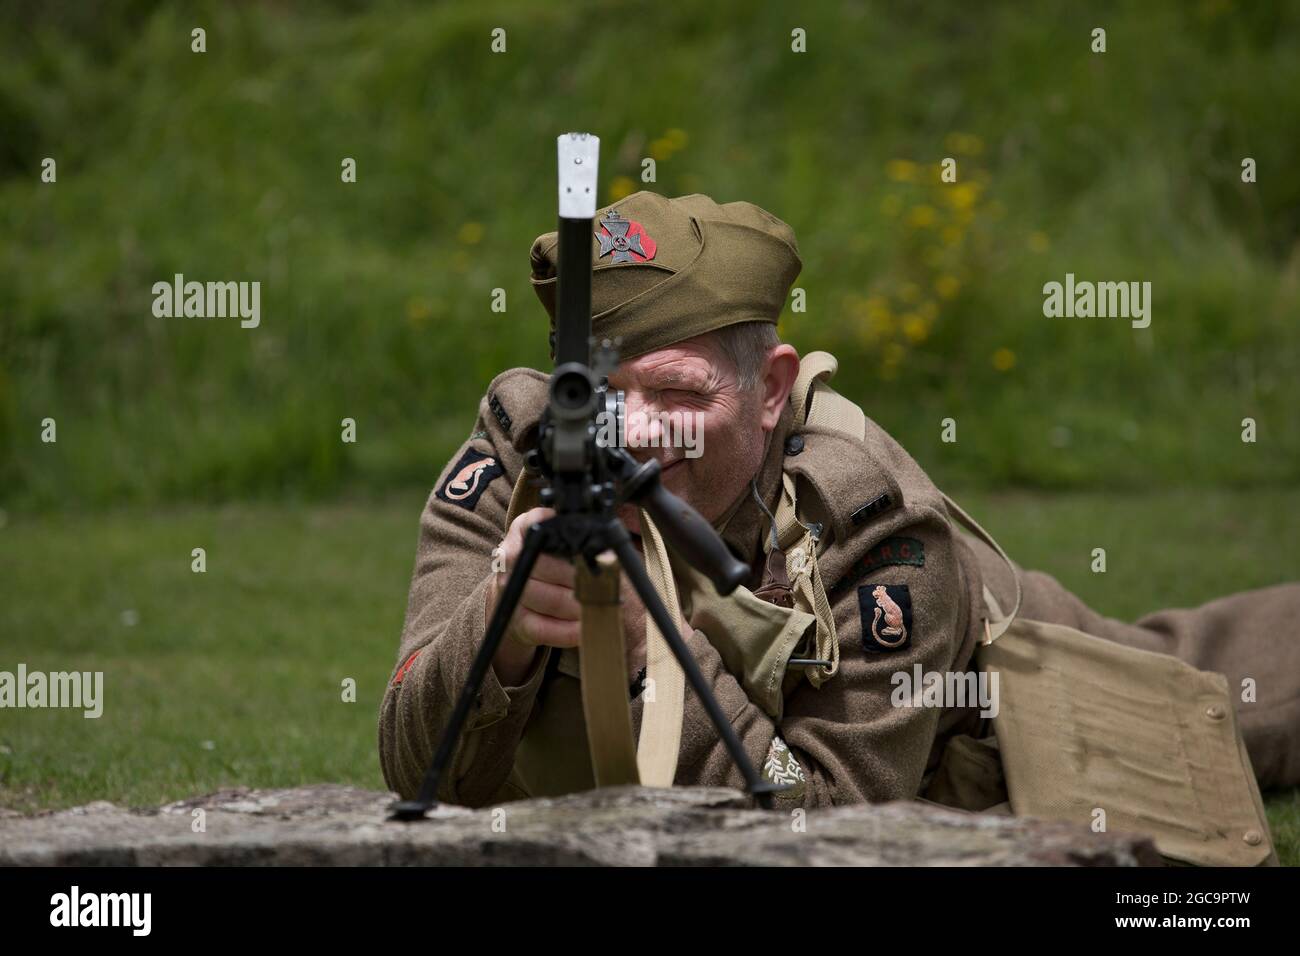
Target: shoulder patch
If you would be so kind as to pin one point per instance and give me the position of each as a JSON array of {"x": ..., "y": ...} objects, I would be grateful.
[
  {"x": 890, "y": 551},
  {"x": 469, "y": 478},
  {"x": 886, "y": 611}
]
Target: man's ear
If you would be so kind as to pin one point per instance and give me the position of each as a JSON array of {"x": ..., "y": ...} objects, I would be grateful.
[{"x": 780, "y": 369}]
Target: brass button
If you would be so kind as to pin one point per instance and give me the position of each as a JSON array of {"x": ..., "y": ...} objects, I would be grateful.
[
  {"x": 1253, "y": 837},
  {"x": 1214, "y": 713}
]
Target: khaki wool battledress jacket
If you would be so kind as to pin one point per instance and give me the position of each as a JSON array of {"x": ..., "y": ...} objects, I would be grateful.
[
  {"x": 885, "y": 525},
  {"x": 906, "y": 588}
]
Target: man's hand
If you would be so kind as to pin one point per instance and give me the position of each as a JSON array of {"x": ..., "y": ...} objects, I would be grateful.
[{"x": 548, "y": 612}]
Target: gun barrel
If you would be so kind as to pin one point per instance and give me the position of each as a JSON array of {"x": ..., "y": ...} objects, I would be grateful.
[{"x": 579, "y": 160}]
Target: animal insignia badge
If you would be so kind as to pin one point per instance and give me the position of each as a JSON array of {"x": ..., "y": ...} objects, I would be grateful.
[
  {"x": 886, "y": 611},
  {"x": 469, "y": 479},
  {"x": 625, "y": 238},
  {"x": 466, "y": 480}
]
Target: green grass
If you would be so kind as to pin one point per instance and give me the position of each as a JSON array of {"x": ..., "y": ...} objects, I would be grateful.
[
  {"x": 376, "y": 307},
  {"x": 250, "y": 655},
  {"x": 376, "y": 295}
]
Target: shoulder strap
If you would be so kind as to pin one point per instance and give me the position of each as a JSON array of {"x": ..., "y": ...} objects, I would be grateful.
[
  {"x": 817, "y": 405},
  {"x": 995, "y": 630},
  {"x": 660, "y": 739}
]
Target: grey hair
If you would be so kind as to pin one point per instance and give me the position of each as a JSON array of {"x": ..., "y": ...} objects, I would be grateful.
[{"x": 746, "y": 344}]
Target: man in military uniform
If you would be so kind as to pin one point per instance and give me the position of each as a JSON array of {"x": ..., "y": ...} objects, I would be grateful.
[{"x": 693, "y": 290}]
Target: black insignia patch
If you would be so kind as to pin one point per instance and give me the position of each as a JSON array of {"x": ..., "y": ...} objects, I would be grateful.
[
  {"x": 886, "y": 617},
  {"x": 469, "y": 478},
  {"x": 499, "y": 411},
  {"x": 872, "y": 508}
]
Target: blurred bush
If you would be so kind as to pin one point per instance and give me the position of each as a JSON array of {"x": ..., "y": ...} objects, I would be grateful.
[{"x": 376, "y": 295}]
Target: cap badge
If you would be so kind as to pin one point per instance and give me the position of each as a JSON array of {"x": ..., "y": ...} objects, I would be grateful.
[{"x": 625, "y": 238}]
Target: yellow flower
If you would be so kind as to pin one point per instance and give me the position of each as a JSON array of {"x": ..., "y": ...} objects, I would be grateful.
[
  {"x": 901, "y": 170},
  {"x": 470, "y": 234},
  {"x": 1038, "y": 242},
  {"x": 910, "y": 292},
  {"x": 677, "y": 138},
  {"x": 621, "y": 186},
  {"x": 962, "y": 196},
  {"x": 950, "y": 236},
  {"x": 915, "y": 327},
  {"x": 921, "y": 216},
  {"x": 1004, "y": 359},
  {"x": 662, "y": 148},
  {"x": 947, "y": 286},
  {"x": 880, "y": 321}
]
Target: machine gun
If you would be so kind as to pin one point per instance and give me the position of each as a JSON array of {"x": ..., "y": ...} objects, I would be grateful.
[{"x": 587, "y": 477}]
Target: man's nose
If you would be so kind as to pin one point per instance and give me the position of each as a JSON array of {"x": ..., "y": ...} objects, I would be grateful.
[{"x": 644, "y": 429}]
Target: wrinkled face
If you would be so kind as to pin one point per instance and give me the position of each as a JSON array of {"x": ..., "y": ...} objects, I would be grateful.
[{"x": 687, "y": 408}]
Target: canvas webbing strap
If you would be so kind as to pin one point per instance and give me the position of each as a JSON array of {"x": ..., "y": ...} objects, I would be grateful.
[
  {"x": 665, "y": 694},
  {"x": 799, "y": 546},
  {"x": 522, "y": 498},
  {"x": 815, "y": 403},
  {"x": 995, "y": 623},
  {"x": 665, "y": 703},
  {"x": 603, "y": 668}
]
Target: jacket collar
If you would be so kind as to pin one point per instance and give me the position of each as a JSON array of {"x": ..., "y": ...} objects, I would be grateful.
[{"x": 744, "y": 524}]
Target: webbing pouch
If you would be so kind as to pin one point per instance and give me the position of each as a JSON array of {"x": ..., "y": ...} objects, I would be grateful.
[
  {"x": 1093, "y": 732},
  {"x": 1087, "y": 726}
]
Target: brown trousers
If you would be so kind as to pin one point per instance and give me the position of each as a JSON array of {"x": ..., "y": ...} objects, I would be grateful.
[{"x": 1253, "y": 636}]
